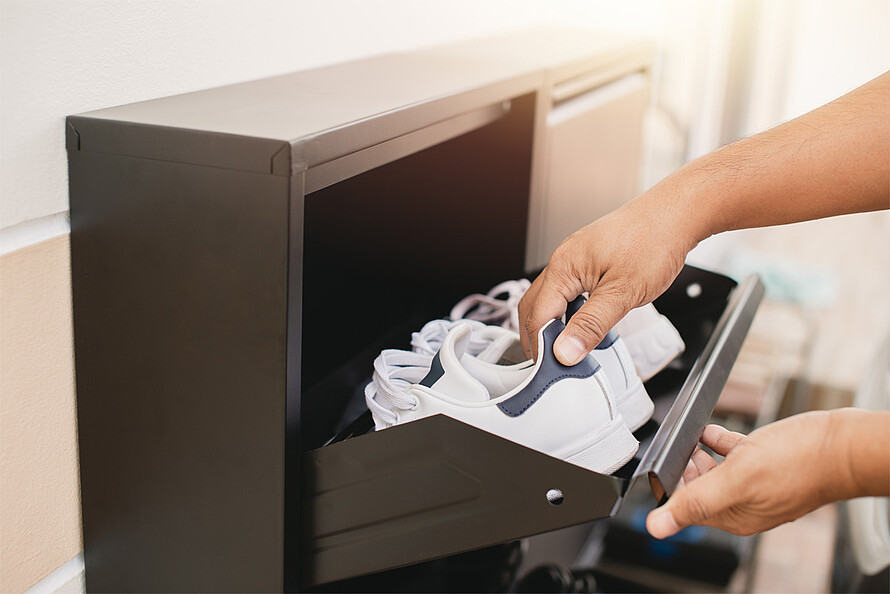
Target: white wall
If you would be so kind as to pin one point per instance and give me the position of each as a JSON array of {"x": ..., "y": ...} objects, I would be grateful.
[
  {"x": 61, "y": 58},
  {"x": 837, "y": 45},
  {"x": 64, "y": 57}
]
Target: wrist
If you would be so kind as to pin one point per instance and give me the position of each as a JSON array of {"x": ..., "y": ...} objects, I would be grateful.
[
  {"x": 862, "y": 440},
  {"x": 839, "y": 481},
  {"x": 705, "y": 189},
  {"x": 673, "y": 205}
]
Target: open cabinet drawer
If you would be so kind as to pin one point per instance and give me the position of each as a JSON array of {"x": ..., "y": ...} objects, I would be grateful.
[{"x": 437, "y": 487}]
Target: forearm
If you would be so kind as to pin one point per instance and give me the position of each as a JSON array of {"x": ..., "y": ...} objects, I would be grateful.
[
  {"x": 860, "y": 453},
  {"x": 831, "y": 161}
]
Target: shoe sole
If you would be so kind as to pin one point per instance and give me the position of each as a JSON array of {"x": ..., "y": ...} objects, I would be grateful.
[
  {"x": 635, "y": 406},
  {"x": 604, "y": 452}
]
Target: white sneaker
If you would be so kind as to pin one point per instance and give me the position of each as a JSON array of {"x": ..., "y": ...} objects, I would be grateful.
[
  {"x": 499, "y": 307},
  {"x": 651, "y": 339},
  {"x": 565, "y": 412},
  {"x": 429, "y": 339},
  {"x": 633, "y": 401},
  {"x": 630, "y": 395}
]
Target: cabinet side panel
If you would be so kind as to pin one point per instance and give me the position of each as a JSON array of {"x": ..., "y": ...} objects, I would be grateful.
[{"x": 180, "y": 290}]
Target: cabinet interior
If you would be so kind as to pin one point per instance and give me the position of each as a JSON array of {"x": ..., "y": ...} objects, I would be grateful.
[{"x": 387, "y": 250}]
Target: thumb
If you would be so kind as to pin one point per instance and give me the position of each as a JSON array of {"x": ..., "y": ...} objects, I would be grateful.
[
  {"x": 589, "y": 325},
  {"x": 694, "y": 504}
]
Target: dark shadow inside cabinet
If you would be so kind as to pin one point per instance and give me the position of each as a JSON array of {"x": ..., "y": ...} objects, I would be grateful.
[{"x": 394, "y": 247}]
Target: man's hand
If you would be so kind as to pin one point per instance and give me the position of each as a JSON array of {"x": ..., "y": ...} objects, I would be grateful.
[
  {"x": 623, "y": 260},
  {"x": 779, "y": 472}
]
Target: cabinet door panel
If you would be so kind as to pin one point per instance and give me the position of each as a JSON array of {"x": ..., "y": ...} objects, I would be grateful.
[{"x": 594, "y": 152}]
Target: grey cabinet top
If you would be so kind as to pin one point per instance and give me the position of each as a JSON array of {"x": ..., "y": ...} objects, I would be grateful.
[{"x": 351, "y": 106}]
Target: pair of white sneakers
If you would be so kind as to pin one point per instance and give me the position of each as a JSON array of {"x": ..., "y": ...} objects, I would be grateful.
[
  {"x": 651, "y": 339},
  {"x": 478, "y": 374}
]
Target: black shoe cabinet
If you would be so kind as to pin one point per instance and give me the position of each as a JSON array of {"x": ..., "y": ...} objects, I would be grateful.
[{"x": 240, "y": 255}]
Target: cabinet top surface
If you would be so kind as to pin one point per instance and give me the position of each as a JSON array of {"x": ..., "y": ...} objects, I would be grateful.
[{"x": 301, "y": 105}]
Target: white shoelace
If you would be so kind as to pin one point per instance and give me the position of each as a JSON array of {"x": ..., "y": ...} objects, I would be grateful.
[
  {"x": 491, "y": 309},
  {"x": 429, "y": 339},
  {"x": 395, "y": 371}
]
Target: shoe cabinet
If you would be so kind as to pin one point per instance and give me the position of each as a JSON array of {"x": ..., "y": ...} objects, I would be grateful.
[{"x": 239, "y": 257}]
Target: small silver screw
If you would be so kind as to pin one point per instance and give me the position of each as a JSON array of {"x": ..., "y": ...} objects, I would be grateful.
[{"x": 555, "y": 496}]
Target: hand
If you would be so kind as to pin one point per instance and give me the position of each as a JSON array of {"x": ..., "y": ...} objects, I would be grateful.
[
  {"x": 623, "y": 260},
  {"x": 774, "y": 475}
]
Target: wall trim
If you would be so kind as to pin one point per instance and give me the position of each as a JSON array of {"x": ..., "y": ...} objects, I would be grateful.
[
  {"x": 34, "y": 231},
  {"x": 68, "y": 578}
]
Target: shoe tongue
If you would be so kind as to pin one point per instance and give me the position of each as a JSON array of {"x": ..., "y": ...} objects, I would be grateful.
[
  {"x": 504, "y": 350},
  {"x": 447, "y": 375},
  {"x": 492, "y": 353}
]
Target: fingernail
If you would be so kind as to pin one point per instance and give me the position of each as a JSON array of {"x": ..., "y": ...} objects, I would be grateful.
[
  {"x": 661, "y": 523},
  {"x": 569, "y": 350}
]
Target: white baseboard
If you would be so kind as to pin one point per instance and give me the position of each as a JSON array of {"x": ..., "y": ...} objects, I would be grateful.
[
  {"x": 67, "y": 579},
  {"x": 30, "y": 232}
]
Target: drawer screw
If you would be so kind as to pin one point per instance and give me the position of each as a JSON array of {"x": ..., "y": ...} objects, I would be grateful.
[{"x": 555, "y": 497}]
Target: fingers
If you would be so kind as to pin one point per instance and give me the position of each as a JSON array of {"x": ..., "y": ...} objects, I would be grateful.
[
  {"x": 588, "y": 327},
  {"x": 544, "y": 301},
  {"x": 704, "y": 493},
  {"x": 699, "y": 464},
  {"x": 525, "y": 304},
  {"x": 702, "y": 461},
  {"x": 720, "y": 440},
  {"x": 656, "y": 487},
  {"x": 696, "y": 503},
  {"x": 689, "y": 474}
]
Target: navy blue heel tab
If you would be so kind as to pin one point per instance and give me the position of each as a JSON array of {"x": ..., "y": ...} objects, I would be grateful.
[
  {"x": 572, "y": 308},
  {"x": 549, "y": 373}
]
